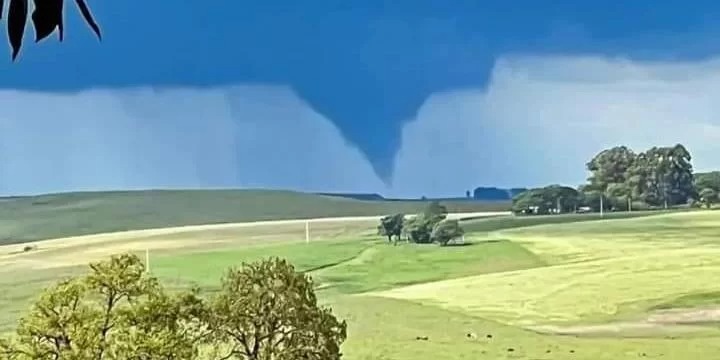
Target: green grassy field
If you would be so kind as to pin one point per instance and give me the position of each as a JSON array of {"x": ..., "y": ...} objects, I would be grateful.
[
  {"x": 71, "y": 214},
  {"x": 495, "y": 223},
  {"x": 621, "y": 288}
]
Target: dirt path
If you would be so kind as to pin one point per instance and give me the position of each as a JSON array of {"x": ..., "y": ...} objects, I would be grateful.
[{"x": 666, "y": 321}]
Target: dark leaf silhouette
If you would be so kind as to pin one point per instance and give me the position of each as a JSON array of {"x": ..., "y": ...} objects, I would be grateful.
[
  {"x": 47, "y": 17},
  {"x": 2, "y": 8},
  {"x": 17, "y": 19},
  {"x": 88, "y": 17}
]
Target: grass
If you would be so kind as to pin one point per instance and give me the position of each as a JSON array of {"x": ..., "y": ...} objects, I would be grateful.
[
  {"x": 384, "y": 267},
  {"x": 569, "y": 273},
  {"x": 691, "y": 301},
  {"x": 33, "y": 218},
  {"x": 206, "y": 268},
  {"x": 489, "y": 224},
  {"x": 598, "y": 270},
  {"x": 385, "y": 329},
  {"x": 17, "y": 290},
  {"x": 354, "y": 266}
]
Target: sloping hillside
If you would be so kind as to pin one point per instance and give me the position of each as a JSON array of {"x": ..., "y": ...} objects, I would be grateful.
[{"x": 25, "y": 219}]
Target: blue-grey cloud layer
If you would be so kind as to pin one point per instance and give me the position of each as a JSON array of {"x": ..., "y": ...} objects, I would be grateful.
[{"x": 538, "y": 121}]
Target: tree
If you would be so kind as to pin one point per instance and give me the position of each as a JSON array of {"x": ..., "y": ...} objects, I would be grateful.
[
  {"x": 267, "y": 310},
  {"x": 419, "y": 228},
  {"x": 708, "y": 197},
  {"x": 657, "y": 176},
  {"x": 445, "y": 231},
  {"x": 47, "y": 17},
  {"x": 435, "y": 212},
  {"x": 619, "y": 195},
  {"x": 669, "y": 176},
  {"x": 610, "y": 171},
  {"x": 528, "y": 201},
  {"x": 542, "y": 200},
  {"x": 491, "y": 193},
  {"x": 392, "y": 225},
  {"x": 708, "y": 180},
  {"x": 610, "y": 166},
  {"x": 263, "y": 311},
  {"x": 116, "y": 311}
]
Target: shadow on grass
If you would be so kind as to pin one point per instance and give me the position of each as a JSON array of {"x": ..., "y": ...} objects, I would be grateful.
[{"x": 464, "y": 244}]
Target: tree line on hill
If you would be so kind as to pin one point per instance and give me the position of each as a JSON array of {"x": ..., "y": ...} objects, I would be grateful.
[
  {"x": 428, "y": 227},
  {"x": 623, "y": 180}
]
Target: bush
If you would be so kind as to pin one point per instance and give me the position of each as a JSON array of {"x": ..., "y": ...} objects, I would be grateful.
[
  {"x": 391, "y": 225},
  {"x": 446, "y": 231}
]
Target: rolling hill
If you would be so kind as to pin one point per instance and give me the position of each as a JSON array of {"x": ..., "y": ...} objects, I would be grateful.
[{"x": 31, "y": 218}]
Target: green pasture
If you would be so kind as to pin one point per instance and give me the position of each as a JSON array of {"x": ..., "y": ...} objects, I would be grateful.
[{"x": 510, "y": 294}]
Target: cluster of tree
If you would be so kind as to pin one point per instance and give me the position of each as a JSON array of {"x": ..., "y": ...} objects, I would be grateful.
[
  {"x": 624, "y": 180},
  {"x": 553, "y": 198},
  {"x": 430, "y": 226},
  {"x": 707, "y": 186},
  {"x": 264, "y": 310},
  {"x": 495, "y": 194}
]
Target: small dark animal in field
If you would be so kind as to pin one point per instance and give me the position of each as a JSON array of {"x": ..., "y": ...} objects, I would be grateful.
[
  {"x": 510, "y": 350},
  {"x": 471, "y": 336},
  {"x": 421, "y": 338},
  {"x": 489, "y": 336}
]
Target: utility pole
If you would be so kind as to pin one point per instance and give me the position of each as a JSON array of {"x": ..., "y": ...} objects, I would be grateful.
[
  {"x": 629, "y": 204},
  {"x": 147, "y": 260},
  {"x": 558, "y": 206},
  {"x": 601, "y": 205},
  {"x": 307, "y": 231}
]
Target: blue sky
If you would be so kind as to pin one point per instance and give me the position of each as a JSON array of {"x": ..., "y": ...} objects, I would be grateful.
[{"x": 360, "y": 72}]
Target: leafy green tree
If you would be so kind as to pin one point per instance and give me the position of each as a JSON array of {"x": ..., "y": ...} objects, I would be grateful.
[
  {"x": 708, "y": 180},
  {"x": 115, "y": 312},
  {"x": 435, "y": 212},
  {"x": 543, "y": 200},
  {"x": 528, "y": 200},
  {"x": 419, "y": 228},
  {"x": 446, "y": 231},
  {"x": 708, "y": 197},
  {"x": 392, "y": 225},
  {"x": 267, "y": 310},
  {"x": 619, "y": 195},
  {"x": 610, "y": 166},
  {"x": 669, "y": 177},
  {"x": 657, "y": 176},
  {"x": 592, "y": 198}
]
